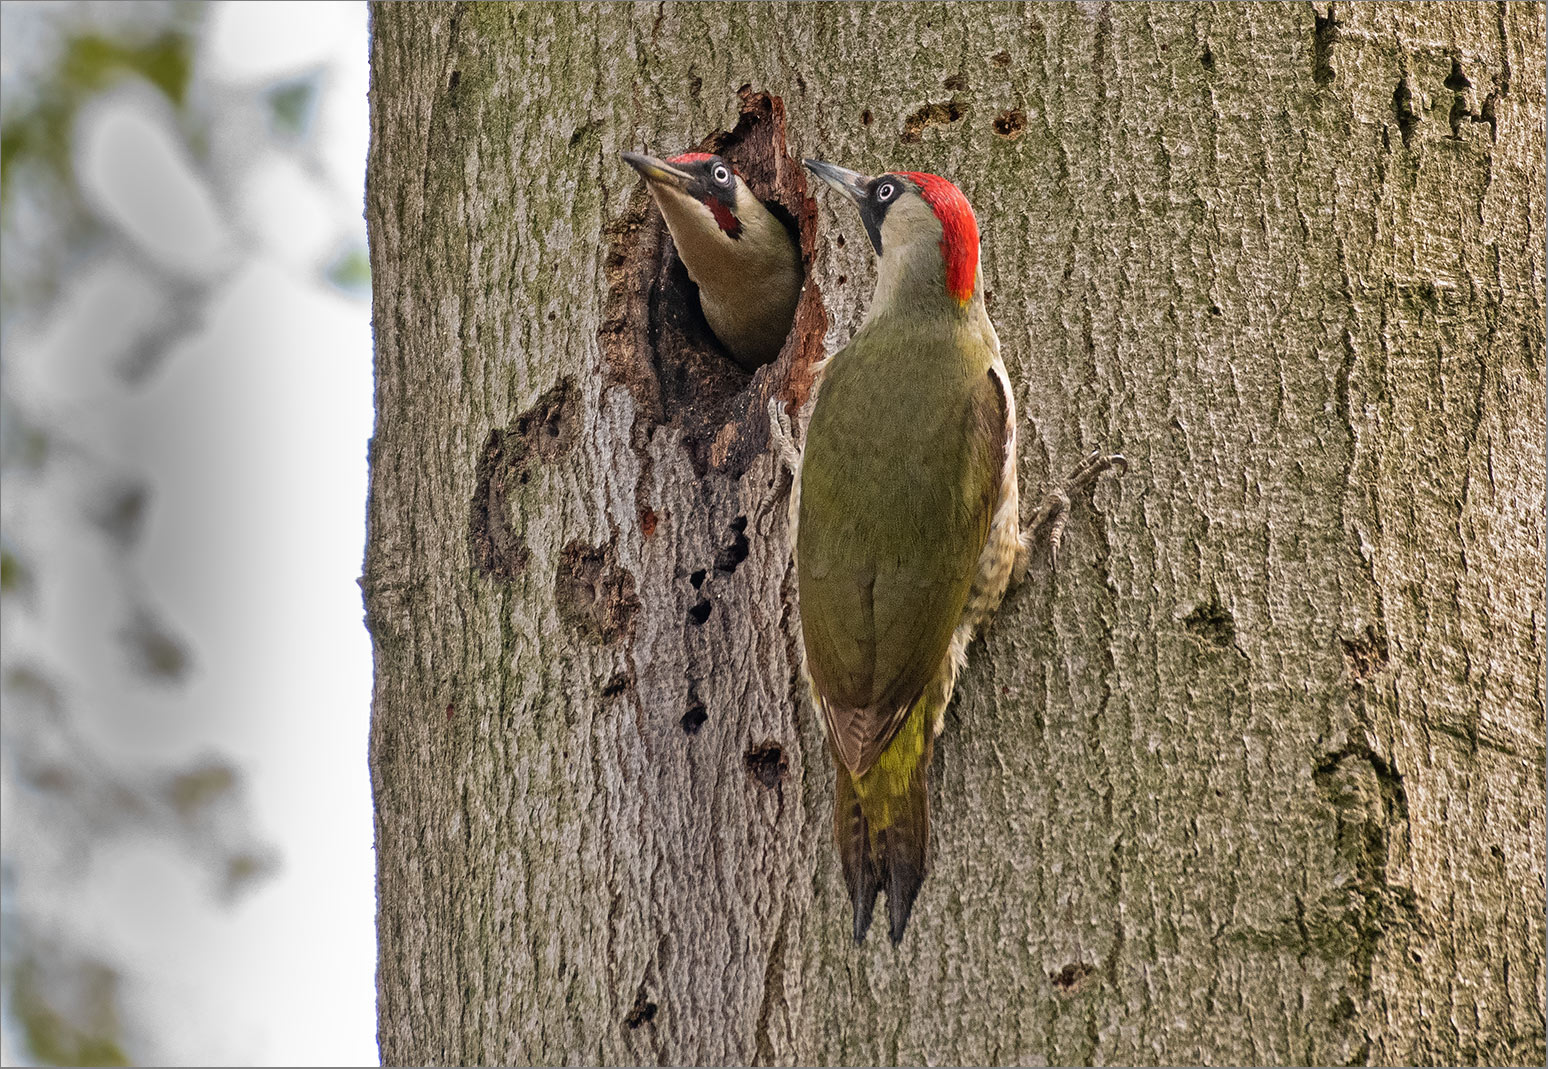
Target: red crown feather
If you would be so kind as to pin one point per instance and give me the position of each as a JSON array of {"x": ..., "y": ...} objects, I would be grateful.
[{"x": 959, "y": 231}]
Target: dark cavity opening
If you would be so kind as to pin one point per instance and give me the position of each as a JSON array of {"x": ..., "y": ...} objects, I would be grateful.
[
  {"x": 694, "y": 718},
  {"x": 730, "y": 557},
  {"x": 654, "y": 338},
  {"x": 766, "y": 764}
]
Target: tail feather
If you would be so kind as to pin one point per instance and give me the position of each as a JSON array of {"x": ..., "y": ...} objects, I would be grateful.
[
  {"x": 852, "y": 835},
  {"x": 883, "y": 834},
  {"x": 905, "y": 848}
]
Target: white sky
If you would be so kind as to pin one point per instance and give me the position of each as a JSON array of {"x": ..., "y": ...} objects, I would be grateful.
[
  {"x": 253, "y": 436},
  {"x": 279, "y": 383}
]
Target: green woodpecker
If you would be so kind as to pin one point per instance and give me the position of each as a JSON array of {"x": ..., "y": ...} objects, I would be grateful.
[
  {"x": 906, "y": 523},
  {"x": 743, "y": 259}
]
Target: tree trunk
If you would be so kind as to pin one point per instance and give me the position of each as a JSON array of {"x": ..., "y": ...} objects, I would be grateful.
[{"x": 1256, "y": 776}]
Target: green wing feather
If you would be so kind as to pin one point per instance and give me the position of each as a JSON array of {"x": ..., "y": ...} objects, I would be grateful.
[{"x": 899, "y": 480}]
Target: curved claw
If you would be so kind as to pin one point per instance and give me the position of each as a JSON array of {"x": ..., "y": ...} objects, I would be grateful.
[
  {"x": 782, "y": 434},
  {"x": 1054, "y": 511},
  {"x": 1095, "y": 463}
]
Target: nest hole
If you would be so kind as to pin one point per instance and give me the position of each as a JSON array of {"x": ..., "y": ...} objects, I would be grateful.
[{"x": 654, "y": 337}]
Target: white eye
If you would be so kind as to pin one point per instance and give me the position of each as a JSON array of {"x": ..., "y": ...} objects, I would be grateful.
[
  {"x": 886, "y": 191},
  {"x": 721, "y": 173}
]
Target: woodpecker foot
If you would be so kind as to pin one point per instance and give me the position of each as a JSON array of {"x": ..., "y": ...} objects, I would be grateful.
[
  {"x": 782, "y": 435},
  {"x": 1054, "y": 512}
]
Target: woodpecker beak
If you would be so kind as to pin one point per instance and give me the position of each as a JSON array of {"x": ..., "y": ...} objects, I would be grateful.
[
  {"x": 857, "y": 185},
  {"x": 657, "y": 171}
]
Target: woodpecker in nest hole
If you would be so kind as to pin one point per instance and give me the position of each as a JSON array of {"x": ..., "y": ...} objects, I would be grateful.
[{"x": 742, "y": 257}]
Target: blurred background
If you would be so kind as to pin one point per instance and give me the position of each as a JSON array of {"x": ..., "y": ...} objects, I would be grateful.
[{"x": 185, "y": 400}]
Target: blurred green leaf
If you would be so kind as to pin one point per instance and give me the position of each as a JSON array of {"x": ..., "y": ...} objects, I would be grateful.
[
  {"x": 290, "y": 105},
  {"x": 42, "y": 136},
  {"x": 194, "y": 790},
  {"x": 245, "y": 870},
  {"x": 92, "y": 62},
  {"x": 122, "y": 513},
  {"x": 351, "y": 270},
  {"x": 85, "y": 1033},
  {"x": 155, "y": 652},
  {"x": 13, "y": 573},
  {"x": 88, "y": 64}
]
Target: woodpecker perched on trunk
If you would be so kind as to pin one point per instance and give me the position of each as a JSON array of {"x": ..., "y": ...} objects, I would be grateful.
[
  {"x": 906, "y": 528},
  {"x": 743, "y": 259}
]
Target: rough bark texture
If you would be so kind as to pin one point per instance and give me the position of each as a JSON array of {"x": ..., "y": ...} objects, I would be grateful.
[{"x": 1256, "y": 777}]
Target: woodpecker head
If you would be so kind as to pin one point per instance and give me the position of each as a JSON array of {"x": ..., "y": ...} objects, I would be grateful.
[
  {"x": 698, "y": 192},
  {"x": 922, "y": 228},
  {"x": 743, "y": 258}
]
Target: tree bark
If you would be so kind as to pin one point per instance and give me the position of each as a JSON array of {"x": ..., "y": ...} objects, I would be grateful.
[{"x": 1255, "y": 777}]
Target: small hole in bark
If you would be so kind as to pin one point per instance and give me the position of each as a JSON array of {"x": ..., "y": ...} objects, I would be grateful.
[
  {"x": 1490, "y": 115},
  {"x": 932, "y": 114},
  {"x": 866, "y": 118},
  {"x": 1010, "y": 124},
  {"x": 1460, "y": 112},
  {"x": 541, "y": 435},
  {"x": 1213, "y": 623},
  {"x": 1456, "y": 81},
  {"x": 766, "y": 764},
  {"x": 734, "y": 554},
  {"x": 551, "y": 426},
  {"x": 494, "y": 541},
  {"x": 1071, "y": 976},
  {"x": 1325, "y": 34},
  {"x": 843, "y": 279},
  {"x": 1214, "y": 310},
  {"x": 643, "y": 1012},
  {"x": 1207, "y": 60},
  {"x": 697, "y": 578},
  {"x": 739, "y": 524},
  {"x": 1404, "y": 110},
  {"x": 1367, "y": 654},
  {"x": 616, "y": 685},
  {"x": 694, "y": 718},
  {"x": 699, "y": 613},
  {"x": 451, "y": 83},
  {"x": 839, "y": 241}
]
